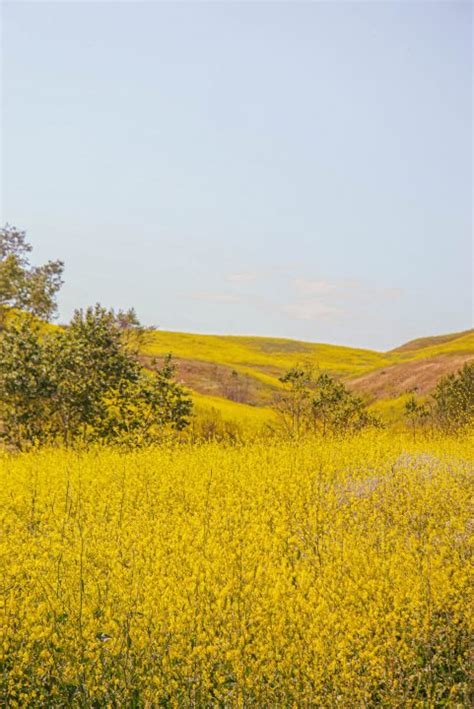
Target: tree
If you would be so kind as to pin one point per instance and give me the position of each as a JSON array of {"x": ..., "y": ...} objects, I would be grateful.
[
  {"x": 454, "y": 400},
  {"x": 83, "y": 384},
  {"x": 320, "y": 404},
  {"x": 335, "y": 409},
  {"x": 134, "y": 334},
  {"x": 101, "y": 390},
  {"x": 29, "y": 288},
  {"x": 145, "y": 407},
  {"x": 293, "y": 405},
  {"x": 416, "y": 413},
  {"x": 87, "y": 360},
  {"x": 25, "y": 386}
]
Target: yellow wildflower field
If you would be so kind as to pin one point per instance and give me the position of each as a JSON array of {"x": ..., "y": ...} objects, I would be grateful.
[{"x": 273, "y": 574}]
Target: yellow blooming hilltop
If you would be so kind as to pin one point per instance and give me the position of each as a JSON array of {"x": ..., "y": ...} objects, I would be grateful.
[{"x": 330, "y": 572}]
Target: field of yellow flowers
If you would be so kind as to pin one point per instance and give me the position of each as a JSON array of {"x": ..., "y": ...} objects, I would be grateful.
[{"x": 272, "y": 574}]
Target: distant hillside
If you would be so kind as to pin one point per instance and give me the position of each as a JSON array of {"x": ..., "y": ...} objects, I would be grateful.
[
  {"x": 239, "y": 376},
  {"x": 423, "y": 342},
  {"x": 419, "y": 375},
  {"x": 420, "y": 364},
  {"x": 244, "y": 371}
]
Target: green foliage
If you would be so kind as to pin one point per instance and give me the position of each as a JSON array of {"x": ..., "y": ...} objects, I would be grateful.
[
  {"x": 25, "y": 385},
  {"x": 454, "y": 400},
  {"x": 88, "y": 362},
  {"x": 320, "y": 404},
  {"x": 294, "y": 404},
  {"x": 84, "y": 384},
  {"x": 451, "y": 407},
  {"x": 30, "y": 288},
  {"x": 334, "y": 409},
  {"x": 133, "y": 334},
  {"x": 416, "y": 413},
  {"x": 144, "y": 407}
]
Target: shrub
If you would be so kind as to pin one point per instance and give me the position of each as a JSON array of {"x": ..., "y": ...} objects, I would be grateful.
[
  {"x": 320, "y": 404},
  {"x": 454, "y": 400},
  {"x": 83, "y": 383}
]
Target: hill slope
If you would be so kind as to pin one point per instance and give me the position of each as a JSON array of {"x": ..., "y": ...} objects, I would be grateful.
[
  {"x": 246, "y": 370},
  {"x": 424, "y": 342}
]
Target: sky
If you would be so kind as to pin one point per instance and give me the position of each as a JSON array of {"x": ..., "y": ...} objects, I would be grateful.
[{"x": 288, "y": 169}]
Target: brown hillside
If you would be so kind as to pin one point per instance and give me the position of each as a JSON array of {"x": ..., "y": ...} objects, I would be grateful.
[
  {"x": 419, "y": 375},
  {"x": 422, "y": 342},
  {"x": 246, "y": 370},
  {"x": 212, "y": 379}
]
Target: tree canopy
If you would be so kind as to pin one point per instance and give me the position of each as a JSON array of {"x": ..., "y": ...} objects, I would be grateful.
[
  {"x": 82, "y": 383},
  {"x": 454, "y": 399},
  {"x": 320, "y": 403},
  {"x": 29, "y": 288}
]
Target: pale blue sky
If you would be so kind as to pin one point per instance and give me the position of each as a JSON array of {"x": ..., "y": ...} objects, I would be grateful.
[{"x": 292, "y": 169}]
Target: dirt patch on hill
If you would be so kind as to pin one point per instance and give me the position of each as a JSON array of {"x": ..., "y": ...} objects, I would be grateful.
[
  {"x": 419, "y": 375},
  {"x": 213, "y": 379}
]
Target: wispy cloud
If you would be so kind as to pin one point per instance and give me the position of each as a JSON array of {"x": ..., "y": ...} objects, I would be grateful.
[
  {"x": 209, "y": 297},
  {"x": 308, "y": 287},
  {"x": 308, "y": 299},
  {"x": 311, "y": 310},
  {"x": 317, "y": 299},
  {"x": 244, "y": 277},
  {"x": 322, "y": 287}
]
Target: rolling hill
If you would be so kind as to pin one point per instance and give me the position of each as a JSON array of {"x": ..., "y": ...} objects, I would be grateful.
[{"x": 239, "y": 376}]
